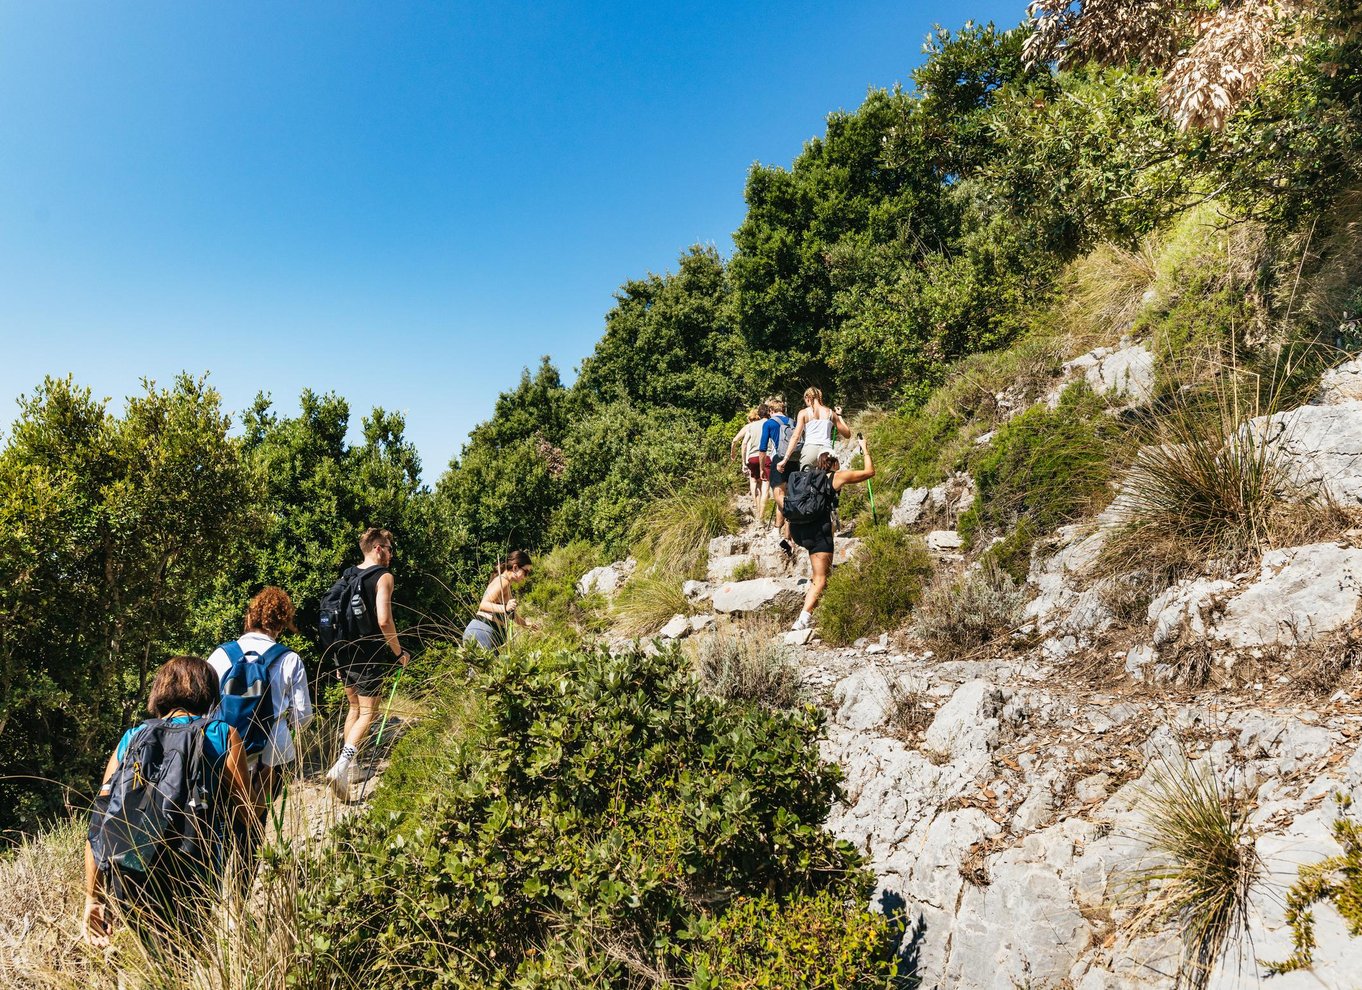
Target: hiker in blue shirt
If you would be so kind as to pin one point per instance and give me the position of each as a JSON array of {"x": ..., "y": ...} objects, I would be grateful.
[
  {"x": 775, "y": 442},
  {"x": 163, "y": 879}
]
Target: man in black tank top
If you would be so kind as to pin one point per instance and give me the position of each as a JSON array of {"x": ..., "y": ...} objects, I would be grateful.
[{"x": 363, "y": 663}]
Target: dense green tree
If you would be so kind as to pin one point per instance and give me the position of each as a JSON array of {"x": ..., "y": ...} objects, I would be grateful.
[
  {"x": 670, "y": 341},
  {"x": 112, "y": 528}
]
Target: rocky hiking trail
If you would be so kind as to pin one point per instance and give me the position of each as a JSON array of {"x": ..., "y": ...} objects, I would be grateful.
[{"x": 1003, "y": 800}]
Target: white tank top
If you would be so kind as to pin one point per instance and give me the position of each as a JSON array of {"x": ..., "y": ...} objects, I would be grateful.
[{"x": 818, "y": 432}]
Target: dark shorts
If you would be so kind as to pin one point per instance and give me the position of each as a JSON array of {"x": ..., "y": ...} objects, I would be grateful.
[
  {"x": 756, "y": 467},
  {"x": 814, "y": 537},
  {"x": 779, "y": 477},
  {"x": 364, "y": 668}
]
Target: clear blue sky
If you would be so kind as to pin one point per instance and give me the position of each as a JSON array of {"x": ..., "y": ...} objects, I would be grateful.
[{"x": 403, "y": 202}]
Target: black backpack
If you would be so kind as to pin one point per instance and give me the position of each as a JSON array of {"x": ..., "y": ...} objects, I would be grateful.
[
  {"x": 345, "y": 615},
  {"x": 810, "y": 497},
  {"x": 158, "y": 816}
]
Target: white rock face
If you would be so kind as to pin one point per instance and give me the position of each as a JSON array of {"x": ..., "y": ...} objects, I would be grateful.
[
  {"x": 1341, "y": 384},
  {"x": 1321, "y": 446},
  {"x": 699, "y": 623},
  {"x": 721, "y": 568},
  {"x": 757, "y": 594},
  {"x": 966, "y": 727},
  {"x": 1188, "y": 608},
  {"x": 947, "y": 500},
  {"x": 1126, "y": 372},
  {"x": 608, "y": 579},
  {"x": 1301, "y": 594}
]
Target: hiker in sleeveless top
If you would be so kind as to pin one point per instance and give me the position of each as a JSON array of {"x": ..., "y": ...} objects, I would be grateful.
[
  {"x": 748, "y": 439},
  {"x": 813, "y": 431},
  {"x": 815, "y": 493},
  {"x": 158, "y": 833},
  {"x": 498, "y": 606},
  {"x": 776, "y": 434},
  {"x": 363, "y": 664},
  {"x": 265, "y": 719}
]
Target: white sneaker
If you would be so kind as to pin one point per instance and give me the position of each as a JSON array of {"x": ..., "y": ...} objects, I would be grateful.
[
  {"x": 338, "y": 779},
  {"x": 803, "y": 622}
]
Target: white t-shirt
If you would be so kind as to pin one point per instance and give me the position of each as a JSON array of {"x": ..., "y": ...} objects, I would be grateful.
[
  {"x": 751, "y": 439},
  {"x": 288, "y": 686}
]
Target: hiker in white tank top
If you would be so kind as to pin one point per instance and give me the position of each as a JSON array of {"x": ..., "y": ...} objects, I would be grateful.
[{"x": 813, "y": 430}]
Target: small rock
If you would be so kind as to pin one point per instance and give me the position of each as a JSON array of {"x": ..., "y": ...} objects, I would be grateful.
[
  {"x": 677, "y": 627},
  {"x": 696, "y": 589},
  {"x": 797, "y": 637},
  {"x": 874, "y": 648},
  {"x": 1092, "y": 789},
  {"x": 699, "y": 623},
  {"x": 606, "y": 580},
  {"x": 944, "y": 540}
]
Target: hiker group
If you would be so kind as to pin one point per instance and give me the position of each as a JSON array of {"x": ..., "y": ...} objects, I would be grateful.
[
  {"x": 187, "y": 795},
  {"x": 795, "y": 463}
]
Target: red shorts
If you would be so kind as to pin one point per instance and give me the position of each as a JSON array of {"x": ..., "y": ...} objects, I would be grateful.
[{"x": 759, "y": 467}]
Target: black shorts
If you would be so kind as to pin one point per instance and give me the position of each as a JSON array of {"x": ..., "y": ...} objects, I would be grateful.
[
  {"x": 815, "y": 537},
  {"x": 364, "y": 668},
  {"x": 779, "y": 477}
]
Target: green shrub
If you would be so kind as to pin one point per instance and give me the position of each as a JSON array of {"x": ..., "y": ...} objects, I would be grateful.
[
  {"x": 877, "y": 589},
  {"x": 1336, "y": 879},
  {"x": 551, "y": 595},
  {"x": 1048, "y": 466},
  {"x": 960, "y": 616},
  {"x": 673, "y": 533},
  {"x": 607, "y": 810},
  {"x": 747, "y": 665},
  {"x": 803, "y": 942},
  {"x": 745, "y": 571},
  {"x": 1013, "y": 554}
]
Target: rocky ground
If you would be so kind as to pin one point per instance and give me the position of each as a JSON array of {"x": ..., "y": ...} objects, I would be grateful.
[{"x": 1004, "y": 801}]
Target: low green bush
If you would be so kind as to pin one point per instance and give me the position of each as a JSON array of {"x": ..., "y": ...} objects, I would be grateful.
[
  {"x": 1049, "y": 466},
  {"x": 605, "y": 814},
  {"x": 818, "y": 941},
  {"x": 551, "y": 595},
  {"x": 877, "y": 589}
]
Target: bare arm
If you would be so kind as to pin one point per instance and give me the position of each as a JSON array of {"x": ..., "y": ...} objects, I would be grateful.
[
  {"x": 839, "y": 422},
  {"x": 383, "y": 607},
  {"x": 96, "y": 916},
  {"x": 737, "y": 439},
  {"x": 849, "y": 477}
]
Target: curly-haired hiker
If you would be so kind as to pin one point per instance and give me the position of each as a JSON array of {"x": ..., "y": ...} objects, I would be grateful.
[
  {"x": 171, "y": 788},
  {"x": 808, "y": 507},
  {"x": 498, "y": 606}
]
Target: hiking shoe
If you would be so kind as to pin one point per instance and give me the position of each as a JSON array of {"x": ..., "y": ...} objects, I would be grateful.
[
  {"x": 803, "y": 622},
  {"x": 338, "y": 779}
]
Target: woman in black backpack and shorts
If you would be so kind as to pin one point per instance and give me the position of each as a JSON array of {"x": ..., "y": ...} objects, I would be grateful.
[{"x": 816, "y": 536}]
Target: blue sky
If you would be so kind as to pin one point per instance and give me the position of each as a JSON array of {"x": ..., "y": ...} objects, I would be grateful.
[{"x": 403, "y": 202}]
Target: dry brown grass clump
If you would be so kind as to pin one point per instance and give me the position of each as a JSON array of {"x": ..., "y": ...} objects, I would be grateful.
[
  {"x": 748, "y": 664},
  {"x": 1105, "y": 291},
  {"x": 957, "y": 617},
  {"x": 1206, "y": 866}
]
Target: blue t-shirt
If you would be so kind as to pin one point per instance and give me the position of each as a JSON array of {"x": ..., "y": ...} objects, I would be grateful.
[{"x": 770, "y": 432}]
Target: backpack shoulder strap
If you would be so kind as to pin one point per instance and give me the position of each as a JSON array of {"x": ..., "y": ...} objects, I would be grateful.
[
  {"x": 276, "y": 652},
  {"x": 233, "y": 650}
]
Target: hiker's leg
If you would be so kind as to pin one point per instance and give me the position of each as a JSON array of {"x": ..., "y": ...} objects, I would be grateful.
[
  {"x": 356, "y": 732},
  {"x": 821, "y": 563},
  {"x": 351, "y": 710}
]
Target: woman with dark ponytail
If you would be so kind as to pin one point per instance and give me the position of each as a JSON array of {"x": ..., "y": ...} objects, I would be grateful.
[{"x": 498, "y": 606}]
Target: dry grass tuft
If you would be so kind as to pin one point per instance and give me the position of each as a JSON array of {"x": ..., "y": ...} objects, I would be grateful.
[
  {"x": 1206, "y": 867},
  {"x": 748, "y": 664},
  {"x": 1105, "y": 291},
  {"x": 910, "y": 713},
  {"x": 673, "y": 534},
  {"x": 647, "y": 602},
  {"x": 957, "y": 617}
]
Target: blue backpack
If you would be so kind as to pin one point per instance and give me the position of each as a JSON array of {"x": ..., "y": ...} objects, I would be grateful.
[{"x": 247, "y": 703}]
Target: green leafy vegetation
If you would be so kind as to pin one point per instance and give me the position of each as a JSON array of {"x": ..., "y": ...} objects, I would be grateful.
[
  {"x": 1335, "y": 879},
  {"x": 1045, "y": 466},
  {"x": 606, "y": 821},
  {"x": 877, "y": 589}
]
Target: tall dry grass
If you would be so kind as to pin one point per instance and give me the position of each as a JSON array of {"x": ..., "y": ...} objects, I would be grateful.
[{"x": 1206, "y": 865}]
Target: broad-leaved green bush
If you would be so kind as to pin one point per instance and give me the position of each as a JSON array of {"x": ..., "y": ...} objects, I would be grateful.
[{"x": 606, "y": 810}]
